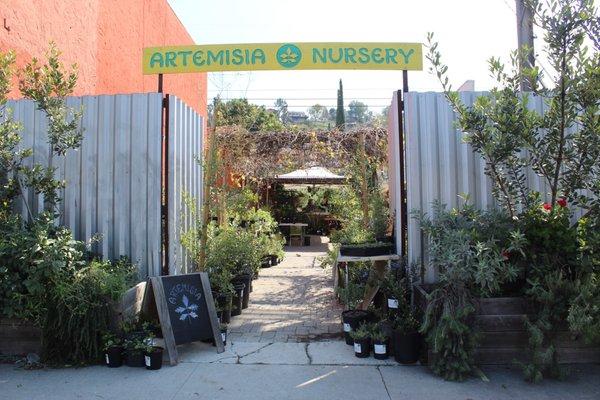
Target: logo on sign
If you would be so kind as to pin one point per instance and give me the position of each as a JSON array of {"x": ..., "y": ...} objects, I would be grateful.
[
  {"x": 289, "y": 55},
  {"x": 187, "y": 310}
]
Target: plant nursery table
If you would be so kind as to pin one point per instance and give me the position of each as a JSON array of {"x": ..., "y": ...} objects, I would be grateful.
[
  {"x": 380, "y": 265},
  {"x": 296, "y": 229}
]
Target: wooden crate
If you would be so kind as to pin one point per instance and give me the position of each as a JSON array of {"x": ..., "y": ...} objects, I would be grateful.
[
  {"x": 17, "y": 337},
  {"x": 504, "y": 338}
]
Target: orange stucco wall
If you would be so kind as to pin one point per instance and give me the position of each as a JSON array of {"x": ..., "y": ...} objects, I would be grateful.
[{"x": 105, "y": 38}]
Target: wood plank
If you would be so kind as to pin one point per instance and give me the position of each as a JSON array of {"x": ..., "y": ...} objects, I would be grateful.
[
  {"x": 499, "y": 323},
  {"x": 498, "y": 356},
  {"x": 212, "y": 312},
  {"x": 165, "y": 322},
  {"x": 379, "y": 270},
  {"x": 502, "y": 305},
  {"x": 385, "y": 257}
]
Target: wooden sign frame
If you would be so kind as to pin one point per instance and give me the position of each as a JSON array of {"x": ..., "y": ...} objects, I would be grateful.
[{"x": 157, "y": 297}]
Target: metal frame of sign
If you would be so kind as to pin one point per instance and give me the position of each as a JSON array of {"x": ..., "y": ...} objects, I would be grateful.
[{"x": 157, "y": 296}]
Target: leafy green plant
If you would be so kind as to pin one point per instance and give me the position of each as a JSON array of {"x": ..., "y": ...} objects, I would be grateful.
[
  {"x": 561, "y": 146},
  {"x": 406, "y": 322},
  {"x": 352, "y": 295},
  {"x": 377, "y": 334},
  {"x": 584, "y": 313},
  {"x": 46, "y": 276},
  {"x": 362, "y": 332},
  {"x": 352, "y": 233},
  {"x": 80, "y": 307},
  {"x": 110, "y": 340},
  {"x": 469, "y": 249}
]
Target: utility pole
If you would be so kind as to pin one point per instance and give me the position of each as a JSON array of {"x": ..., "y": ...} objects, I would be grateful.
[{"x": 525, "y": 39}]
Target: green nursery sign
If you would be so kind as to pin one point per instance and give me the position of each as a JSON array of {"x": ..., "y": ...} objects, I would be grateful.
[{"x": 282, "y": 56}]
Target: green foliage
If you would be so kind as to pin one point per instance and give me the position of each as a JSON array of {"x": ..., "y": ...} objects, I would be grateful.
[
  {"x": 80, "y": 306},
  {"x": 352, "y": 233},
  {"x": 377, "y": 333},
  {"x": 560, "y": 261},
  {"x": 584, "y": 314},
  {"x": 109, "y": 339},
  {"x": 477, "y": 249},
  {"x": 364, "y": 331},
  {"x": 555, "y": 269},
  {"x": 352, "y": 295},
  {"x": 249, "y": 116},
  {"x": 560, "y": 145},
  {"x": 340, "y": 119},
  {"x": 358, "y": 112},
  {"x": 46, "y": 276},
  {"x": 230, "y": 251},
  {"x": 407, "y": 322},
  {"x": 34, "y": 260},
  {"x": 48, "y": 85},
  {"x": 470, "y": 250}
]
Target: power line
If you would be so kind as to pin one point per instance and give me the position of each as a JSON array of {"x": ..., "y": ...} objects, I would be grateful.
[
  {"x": 305, "y": 98},
  {"x": 298, "y": 90}
]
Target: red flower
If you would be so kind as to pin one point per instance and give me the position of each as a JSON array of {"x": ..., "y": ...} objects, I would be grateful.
[
  {"x": 562, "y": 202},
  {"x": 505, "y": 255},
  {"x": 547, "y": 207}
]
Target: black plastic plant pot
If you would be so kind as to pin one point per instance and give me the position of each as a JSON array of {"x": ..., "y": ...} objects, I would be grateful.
[
  {"x": 274, "y": 259},
  {"x": 238, "y": 299},
  {"x": 367, "y": 250},
  {"x": 135, "y": 359},
  {"x": 154, "y": 360},
  {"x": 265, "y": 263},
  {"x": 246, "y": 279},
  {"x": 114, "y": 356},
  {"x": 380, "y": 349},
  {"x": 351, "y": 320},
  {"x": 224, "y": 336},
  {"x": 225, "y": 306},
  {"x": 362, "y": 347},
  {"x": 407, "y": 347}
]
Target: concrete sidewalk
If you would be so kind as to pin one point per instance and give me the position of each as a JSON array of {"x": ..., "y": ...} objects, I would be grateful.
[{"x": 322, "y": 370}]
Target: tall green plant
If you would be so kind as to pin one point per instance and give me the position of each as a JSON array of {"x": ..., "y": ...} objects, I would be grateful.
[
  {"x": 470, "y": 250},
  {"x": 561, "y": 145},
  {"x": 340, "y": 119},
  {"x": 46, "y": 276}
]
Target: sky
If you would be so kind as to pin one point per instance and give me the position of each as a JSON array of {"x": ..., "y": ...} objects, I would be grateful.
[{"x": 469, "y": 32}]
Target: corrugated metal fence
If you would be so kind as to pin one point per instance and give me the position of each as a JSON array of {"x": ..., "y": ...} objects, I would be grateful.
[
  {"x": 113, "y": 182},
  {"x": 439, "y": 165},
  {"x": 186, "y": 136}
]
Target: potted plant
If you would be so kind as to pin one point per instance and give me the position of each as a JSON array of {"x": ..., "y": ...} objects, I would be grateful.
[
  {"x": 370, "y": 249},
  {"x": 362, "y": 341},
  {"x": 407, "y": 339},
  {"x": 380, "y": 343},
  {"x": 352, "y": 318},
  {"x": 153, "y": 355},
  {"x": 135, "y": 349},
  {"x": 238, "y": 298},
  {"x": 113, "y": 350},
  {"x": 358, "y": 241},
  {"x": 396, "y": 293}
]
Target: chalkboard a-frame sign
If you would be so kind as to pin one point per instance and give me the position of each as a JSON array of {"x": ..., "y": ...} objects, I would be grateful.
[{"x": 185, "y": 309}]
